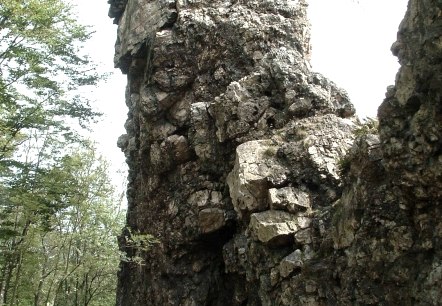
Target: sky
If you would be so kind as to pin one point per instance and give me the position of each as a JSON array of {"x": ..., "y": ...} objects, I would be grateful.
[
  {"x": 108, "y": 96},
  {"x": 351, "y": 42}
]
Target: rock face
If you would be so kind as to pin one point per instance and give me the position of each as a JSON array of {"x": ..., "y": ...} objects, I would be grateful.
[{"x": 254, "y": 175}]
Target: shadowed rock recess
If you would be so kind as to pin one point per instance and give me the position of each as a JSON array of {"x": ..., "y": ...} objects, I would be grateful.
[{"x": 253, "y": 172}]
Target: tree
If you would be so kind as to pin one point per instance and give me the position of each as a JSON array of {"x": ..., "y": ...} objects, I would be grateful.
[
  {"x": 57, "y": 220},
  {"x": 65, "y": 250},
  {"x": 41, "y": 69}
]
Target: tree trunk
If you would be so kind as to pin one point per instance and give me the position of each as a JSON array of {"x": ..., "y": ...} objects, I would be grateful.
[{"x": 17, "y": 280}]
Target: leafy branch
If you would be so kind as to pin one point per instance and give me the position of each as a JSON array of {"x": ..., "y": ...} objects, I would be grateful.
[{"x": 136, "y": 244}]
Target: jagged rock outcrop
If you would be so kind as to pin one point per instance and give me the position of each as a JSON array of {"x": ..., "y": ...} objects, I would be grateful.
[
  {"x": 254, "y": 175},
  {"x": 388, "y": 221}
]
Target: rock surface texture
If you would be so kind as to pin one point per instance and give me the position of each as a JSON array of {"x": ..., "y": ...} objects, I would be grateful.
[{"x": 254, "y": 174}]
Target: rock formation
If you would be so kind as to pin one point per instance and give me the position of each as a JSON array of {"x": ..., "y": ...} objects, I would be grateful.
[{"x": 255, "y": 176}]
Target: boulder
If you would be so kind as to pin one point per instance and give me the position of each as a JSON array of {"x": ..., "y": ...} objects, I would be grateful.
[
  {"x": 256, "y": 168},
  {"x": 274, "y": 227}
]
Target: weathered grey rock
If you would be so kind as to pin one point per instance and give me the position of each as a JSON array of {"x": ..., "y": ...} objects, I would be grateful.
[
  {"x": 211, "y": 219},
  {"x": 289, "y": 199},
  {"x": 304, "y": 236},
  {"x": 274, "y": 226},
  {"x": 172, "y": 151},
  {"x": 226, "y": 121},
  {"x": 116, "y": 8},
  {"x": 256, "y": 169},
  {"x": 410, "y": 126},
  {"x": 318, "y": 150},
  {"x": 294, "y": 262},
  {"x": 201, "y": 132},
  {"x": 291, "y": 263},
  {"x": 123, "y": 141}
]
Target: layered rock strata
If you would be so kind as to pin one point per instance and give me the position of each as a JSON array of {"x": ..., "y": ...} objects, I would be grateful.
[{"x": 248, "y": 168}]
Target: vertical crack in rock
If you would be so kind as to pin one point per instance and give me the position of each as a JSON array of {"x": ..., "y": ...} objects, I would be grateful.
[{"x": 245, "y": 166}]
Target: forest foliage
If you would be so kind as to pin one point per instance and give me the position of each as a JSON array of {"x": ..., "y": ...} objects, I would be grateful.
[{"x": 59, "y": 214}]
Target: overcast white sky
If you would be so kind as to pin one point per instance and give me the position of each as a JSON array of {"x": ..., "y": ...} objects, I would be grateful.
[{"x": 351, "y": 45}]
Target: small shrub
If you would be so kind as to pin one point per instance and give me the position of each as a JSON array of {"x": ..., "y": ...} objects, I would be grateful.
[
  {"x": 270, "y": 151},
  {"x": 368, "y": 126},
  {"x": 344, "y": 165},
  {"x": 139, "y": 243}
]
